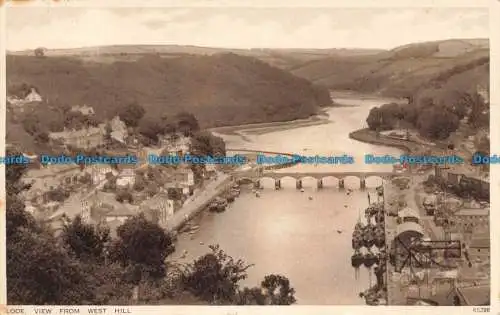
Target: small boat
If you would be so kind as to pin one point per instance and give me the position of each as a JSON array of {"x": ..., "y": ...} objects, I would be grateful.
[
  {"x": 339, "y": 231},
  {"x": 368, "y": 236},
  {"x": 213, "y": 206},
  {"x": 302, "y": 190},
  {"x": 380, "y": 218},
  {"x": 369, "y": 259},
  {"x": 218, "y": 205},
  {"x": 357, "y": 259},
  {"x": 310, "y": 198},
  {"x": 201, "y": 243}
]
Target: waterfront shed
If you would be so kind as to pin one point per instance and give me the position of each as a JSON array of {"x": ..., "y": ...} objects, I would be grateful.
[
  {"x": 407, "y": 232},
  {"x": 409, "y": 215}
]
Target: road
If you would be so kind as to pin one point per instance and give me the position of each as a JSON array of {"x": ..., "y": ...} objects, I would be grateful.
[{"x": 198, "y": 202}]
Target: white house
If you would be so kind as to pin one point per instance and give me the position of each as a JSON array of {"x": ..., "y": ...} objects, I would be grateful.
[
  {"x": 84, "y": 109},
  {"x": 98, "y": 172},
  {"x": 176, "y": 144},
  {"x": 33, "y": 96},
  {"x": 126, "y": 178}
]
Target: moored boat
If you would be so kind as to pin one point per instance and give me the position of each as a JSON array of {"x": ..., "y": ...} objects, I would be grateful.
[
  {"x": 357, "y": 259},
  {"x": 368, "y": 236},
  {"x": 369, "y": 259}
]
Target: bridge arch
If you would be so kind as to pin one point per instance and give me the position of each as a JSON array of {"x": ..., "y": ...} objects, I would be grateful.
[
  {"x": 267, "y": 181},
  {"x": 330, "y": 181},
  {"x": 352, "y": 181},
  {"x": 374, "y": 180}
]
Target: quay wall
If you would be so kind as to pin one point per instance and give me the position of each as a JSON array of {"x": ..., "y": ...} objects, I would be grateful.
[{"x": 190, "y": 210}]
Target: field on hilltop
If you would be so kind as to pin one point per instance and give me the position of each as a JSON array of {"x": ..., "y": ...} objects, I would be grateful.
[
  {"x": 403, "y": 71},
  {"x": 281, "y": 58},
  {"x": 221, "y": 89}
]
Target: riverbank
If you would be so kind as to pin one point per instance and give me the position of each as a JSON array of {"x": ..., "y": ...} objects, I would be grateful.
[
  {"x": 369, "y": 136},
  {"x": 262, "y": 128}
]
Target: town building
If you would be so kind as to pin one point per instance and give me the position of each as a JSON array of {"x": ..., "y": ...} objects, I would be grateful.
[
  {"x": 126, "y": 178},
  {"x": 176, "y": 144},
  {"x": 479, "y": 247},
  {"x": 86, "y": 139},
  {"x": 408, "y": 215},
  {"x": 160, "y": 208},
  {"x": 480, "y": 185},
  {"x": 101, "y": 207},
  {"x": 182, "y": 179},
  {"x": 84, "y": 109},
  {"x": 210, "y": 170},
  {"x": 32, "y": 96},
  {"x": 49, "y": 177},
  {"x": 467, "y": 219},
  {"x": 100, "y": 172}
]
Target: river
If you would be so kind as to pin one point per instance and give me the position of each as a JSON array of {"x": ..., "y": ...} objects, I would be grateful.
[{"x": 283, "y": 231}]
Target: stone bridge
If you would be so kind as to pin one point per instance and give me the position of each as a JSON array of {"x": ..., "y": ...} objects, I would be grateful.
[{"x": 255, "y": 176}]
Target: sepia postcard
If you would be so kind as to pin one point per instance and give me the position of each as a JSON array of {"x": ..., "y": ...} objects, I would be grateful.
[{"x": 206, "y": 157}]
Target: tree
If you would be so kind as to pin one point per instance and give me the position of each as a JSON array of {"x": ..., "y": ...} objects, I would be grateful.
[
  {"x": 436, "y": 123},
  {"x": 205, "y": 143},
  {"x": 108, "y": 130},
  {"x": 85, "y": 241},
  {"x": 214, "y": 277},
  {"x": 483, "y": 145},
  {"x": 374, "y": 119},
  {"x": 31, "y": 124},
  {"x": 169, "y": 126},
  {"x": 40, "y": 52},
  {"x": 142, "y": 246},
  {"x": 278, "y": 290},
  {"x": 42, "y": 137},
  {"x": 132, "y": 114},
  {"x": 40, "y": 273},
  {"x": 14, "y": 172},
  {"x": 151, "y": 128},
  {"x": 57, "y": 194},
  {"x": 187, "y": 123}
]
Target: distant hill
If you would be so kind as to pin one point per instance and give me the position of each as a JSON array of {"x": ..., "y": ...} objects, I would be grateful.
[
  {"x": 403, "y": 71},
  {"x": 282, "y": 58},
  {"x": 220, "y": 89}
]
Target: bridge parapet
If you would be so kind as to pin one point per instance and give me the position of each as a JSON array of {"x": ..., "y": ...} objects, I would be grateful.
[{"x": 320, "y": 175}]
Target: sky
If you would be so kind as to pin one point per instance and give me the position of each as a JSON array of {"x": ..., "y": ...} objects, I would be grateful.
[{"x": 384, "y": 28}]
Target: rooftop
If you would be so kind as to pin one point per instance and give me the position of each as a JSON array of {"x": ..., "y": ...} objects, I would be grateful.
[
  {"x": 473, "y": 212},
  {"x": 480, "y": 241},
  {"x": 77, "y": 133}
]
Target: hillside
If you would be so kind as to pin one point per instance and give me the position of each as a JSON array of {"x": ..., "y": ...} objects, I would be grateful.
[
  {"x": 221, "y": 89},
  {"x": 403, "y": 71}
]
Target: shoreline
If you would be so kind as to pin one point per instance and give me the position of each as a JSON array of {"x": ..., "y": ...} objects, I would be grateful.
[
  {"x": 368, "y": 136},
  {"x": 268, "y": 127}
]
